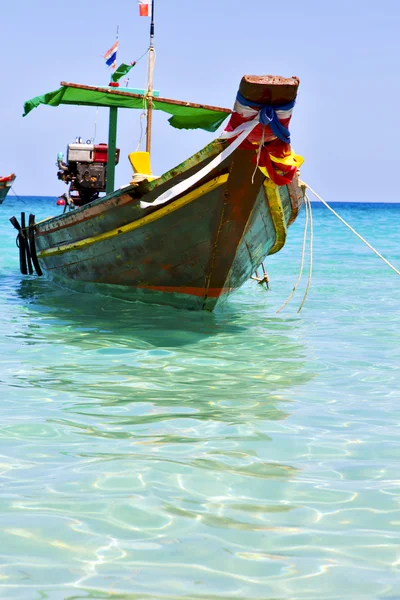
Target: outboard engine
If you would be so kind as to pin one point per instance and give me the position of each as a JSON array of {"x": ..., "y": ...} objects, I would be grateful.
[{"x": 85, "y": 170}]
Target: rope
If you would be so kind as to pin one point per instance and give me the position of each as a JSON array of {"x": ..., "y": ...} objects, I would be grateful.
[
  {"x": 16, "y": 195},
  {"x": 263, "y": 279},
  {"x": 137, "y": 177},
  {"x": 309, "y": 217},
  {"x": 95, "y": 126},
  {"x": 260, "y": 147},
  {"x": 302, "y": 261},
  {"x": 143, "y": 114},
  {"x": 351, "y": 229},
  {"x": 311, "y": 254},
  {"x": 135, "y": 62},
  {"x": 142, "y": 132}
]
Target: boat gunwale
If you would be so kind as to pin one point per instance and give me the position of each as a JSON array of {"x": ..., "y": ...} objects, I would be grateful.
[
  {"x": 154, "y": 215},
  {"x": 139, "y": 190}
]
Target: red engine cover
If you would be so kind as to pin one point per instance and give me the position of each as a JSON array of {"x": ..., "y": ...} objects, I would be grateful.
[{"x": 101, "y": 153}]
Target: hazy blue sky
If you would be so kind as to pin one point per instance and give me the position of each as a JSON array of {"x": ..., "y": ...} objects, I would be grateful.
[{"x": 345, "y": 52}]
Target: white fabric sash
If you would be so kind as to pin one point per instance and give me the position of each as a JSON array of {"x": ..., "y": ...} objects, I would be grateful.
[{"x": 242, "y": 131}]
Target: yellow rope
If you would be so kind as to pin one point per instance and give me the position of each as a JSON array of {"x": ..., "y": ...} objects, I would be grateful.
[
  {"x": 351, "y": 229},
  {"x": 302, "y": 261},
  {"x": 311, "y": 254}
]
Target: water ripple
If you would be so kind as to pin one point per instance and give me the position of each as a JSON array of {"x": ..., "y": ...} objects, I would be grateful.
[{"x": 148, "y": 453}]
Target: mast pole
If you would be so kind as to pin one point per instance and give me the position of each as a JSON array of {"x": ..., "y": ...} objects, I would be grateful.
[
  {"x": 112, "y": 142},
  {"x": 150, "y": 83}
]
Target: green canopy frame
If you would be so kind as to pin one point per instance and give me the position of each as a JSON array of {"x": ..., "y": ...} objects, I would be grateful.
[{"x": 184, "y": 115}]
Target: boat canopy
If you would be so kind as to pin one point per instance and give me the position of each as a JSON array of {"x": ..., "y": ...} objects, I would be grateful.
[{"x": 185, "y": 115}]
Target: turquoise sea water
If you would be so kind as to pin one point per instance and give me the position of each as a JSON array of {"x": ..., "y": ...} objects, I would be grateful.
[{"x": 150, "y": 453}]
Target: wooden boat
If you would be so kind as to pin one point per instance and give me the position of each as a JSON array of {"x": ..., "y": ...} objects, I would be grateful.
[
  {"x": 194, "y": 235},
  {"x": 5, "y": 185}
]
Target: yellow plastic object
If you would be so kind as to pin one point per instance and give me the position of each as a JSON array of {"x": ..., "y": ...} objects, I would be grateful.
[
  {"x": 291, "y": 160},
  {"x": 140, "y": 162}
]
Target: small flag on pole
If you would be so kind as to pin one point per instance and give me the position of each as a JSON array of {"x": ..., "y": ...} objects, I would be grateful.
[
  {"x": 122, "y": 70},
  {"x": 145, "y": 8},
  {"x": 111, "y": 56}
]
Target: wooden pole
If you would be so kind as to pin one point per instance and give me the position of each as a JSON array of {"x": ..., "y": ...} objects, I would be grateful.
[
  {"x": 116, "y": 92},
  {"x": 112, "y": 146},
  {"x": 112, "y": 142},
  {"x": 150, "y": 83}
]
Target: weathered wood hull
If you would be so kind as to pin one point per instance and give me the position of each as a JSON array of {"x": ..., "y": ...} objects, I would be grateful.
[
  {"x": 5, "y": 185},
  {"x": 191, "y": 252}
]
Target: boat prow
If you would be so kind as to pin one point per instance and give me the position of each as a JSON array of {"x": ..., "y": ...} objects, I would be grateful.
[{"x": 5, "y": 185}]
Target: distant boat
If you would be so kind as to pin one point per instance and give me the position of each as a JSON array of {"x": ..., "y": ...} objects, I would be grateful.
[
  {"x": 5, "y": 185},
  {"x": 196, "y": 233}
]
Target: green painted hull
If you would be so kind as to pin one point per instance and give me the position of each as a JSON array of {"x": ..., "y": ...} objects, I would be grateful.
[{"x": 192, "y": 253}]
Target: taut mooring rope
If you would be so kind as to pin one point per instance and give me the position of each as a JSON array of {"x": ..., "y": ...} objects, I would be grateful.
[
  {"x": 351, "y": 228},
  {"x": 309, "y": 217}
]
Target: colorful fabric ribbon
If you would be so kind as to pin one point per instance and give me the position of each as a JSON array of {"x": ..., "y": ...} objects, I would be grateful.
[
  {"x": 275, "y": 158},
  {"x": 268, "y": 116}
]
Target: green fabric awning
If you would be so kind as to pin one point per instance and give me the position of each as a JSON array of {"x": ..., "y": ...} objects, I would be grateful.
[
  {"x": 122, "y": 70},
  {"x": 184, "y": 115}
]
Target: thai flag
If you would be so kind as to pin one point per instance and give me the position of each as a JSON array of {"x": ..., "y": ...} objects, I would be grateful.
[
  {"x": 145, "y": 8},
  {"x": 111, "y": 56}
]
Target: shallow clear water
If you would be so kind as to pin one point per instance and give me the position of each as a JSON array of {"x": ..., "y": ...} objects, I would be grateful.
[{"x": 153, "y": 453}]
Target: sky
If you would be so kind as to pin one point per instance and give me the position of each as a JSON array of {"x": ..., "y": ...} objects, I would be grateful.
[{"x": 345, "y": 52}]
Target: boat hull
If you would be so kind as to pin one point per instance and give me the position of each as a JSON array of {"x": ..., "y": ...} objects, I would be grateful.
[
  {"x": 5, "y": 186},
  {"x": 192, "y": 236},
  {"x": 191, "y": 253}
]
